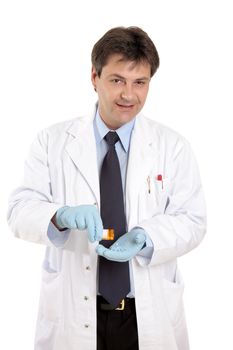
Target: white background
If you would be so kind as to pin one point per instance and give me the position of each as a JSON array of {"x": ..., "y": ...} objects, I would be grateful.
[{"x": 45, "y": 77}]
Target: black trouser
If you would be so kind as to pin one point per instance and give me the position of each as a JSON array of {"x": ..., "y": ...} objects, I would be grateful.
[{"x": 116, "y": 329}]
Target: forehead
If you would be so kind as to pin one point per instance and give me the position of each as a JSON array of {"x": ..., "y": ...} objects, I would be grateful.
[{"x": 117, "y": 64}]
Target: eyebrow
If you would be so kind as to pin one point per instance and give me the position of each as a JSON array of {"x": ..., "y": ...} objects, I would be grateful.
[{"x": 121, "y": 77}]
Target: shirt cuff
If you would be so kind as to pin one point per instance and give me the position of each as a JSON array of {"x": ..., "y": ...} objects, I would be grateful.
[{"x": 58, "y": 238}]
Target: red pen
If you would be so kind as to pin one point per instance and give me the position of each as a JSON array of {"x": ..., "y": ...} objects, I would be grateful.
[{"x": 160, "y": 178}]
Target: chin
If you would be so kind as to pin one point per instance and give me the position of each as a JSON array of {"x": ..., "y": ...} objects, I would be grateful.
[{"x": 126, "y": 118}]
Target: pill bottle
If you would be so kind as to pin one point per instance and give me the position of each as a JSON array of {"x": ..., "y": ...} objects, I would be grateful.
[{"x": 108, "y": 234}]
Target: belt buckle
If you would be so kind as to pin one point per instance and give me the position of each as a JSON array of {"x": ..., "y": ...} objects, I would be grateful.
[{"x": 122, "y": 305}]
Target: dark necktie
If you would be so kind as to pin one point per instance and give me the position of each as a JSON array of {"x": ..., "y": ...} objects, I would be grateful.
[{"x": 114, "y": 282}]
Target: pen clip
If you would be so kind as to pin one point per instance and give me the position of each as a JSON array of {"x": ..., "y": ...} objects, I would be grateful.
[{"x": 148, "y": 182}]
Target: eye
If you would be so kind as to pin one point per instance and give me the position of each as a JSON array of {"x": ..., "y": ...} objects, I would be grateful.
[
  {"x": 117, "y": 81},
  {"x": 140, "y": 82}
]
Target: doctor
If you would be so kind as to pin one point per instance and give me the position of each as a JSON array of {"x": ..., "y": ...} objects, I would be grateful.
[{"x": 63, "y": 201}]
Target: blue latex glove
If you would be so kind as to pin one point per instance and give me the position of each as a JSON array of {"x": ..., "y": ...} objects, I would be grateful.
[
  {"x": 81, "y": 217},
  {"x": 125, "y": 248}
]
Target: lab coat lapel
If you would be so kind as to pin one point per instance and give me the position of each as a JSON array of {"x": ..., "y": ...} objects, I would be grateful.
[
  {"x": 142, "y": 157},
  {"x": 82, "y": 151}
]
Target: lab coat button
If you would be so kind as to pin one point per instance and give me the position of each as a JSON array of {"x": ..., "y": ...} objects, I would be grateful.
[
  {"x": 86, "y": 298},
  {"x": 88, "y": 268},
  {"x": 86, "y": 325}
]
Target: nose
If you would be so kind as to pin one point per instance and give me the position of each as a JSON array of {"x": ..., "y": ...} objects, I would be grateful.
[{"x": 127, "y": 92}]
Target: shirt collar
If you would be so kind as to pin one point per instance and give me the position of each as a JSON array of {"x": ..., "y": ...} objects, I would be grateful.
[{"x": 124, "y": 132}]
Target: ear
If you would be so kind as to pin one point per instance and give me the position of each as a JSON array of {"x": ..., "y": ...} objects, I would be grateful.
[{"x": 94, "y": 76}]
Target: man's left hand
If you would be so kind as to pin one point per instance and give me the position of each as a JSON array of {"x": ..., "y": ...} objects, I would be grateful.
[{"x": 125, "y": 248}]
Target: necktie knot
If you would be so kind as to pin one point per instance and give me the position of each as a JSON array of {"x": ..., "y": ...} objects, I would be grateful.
[{"x": 111, "y": 138}]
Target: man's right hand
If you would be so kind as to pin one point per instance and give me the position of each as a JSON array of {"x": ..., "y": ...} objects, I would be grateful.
[{"x": 82, "y": 217}]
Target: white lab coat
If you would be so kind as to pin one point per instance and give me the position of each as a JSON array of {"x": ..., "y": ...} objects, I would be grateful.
[{"x": 62, "y": 170}]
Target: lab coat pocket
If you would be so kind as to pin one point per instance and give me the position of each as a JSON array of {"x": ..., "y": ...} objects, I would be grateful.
[
  {"x": 50, "y": 298},
  {"x": 153, "y": 198},
  {"x": 162, "y": 185},
  {"x": 147, "y": 201},
  {"x": 162, "y": 190},
  {"x": 173, "y": 294}
]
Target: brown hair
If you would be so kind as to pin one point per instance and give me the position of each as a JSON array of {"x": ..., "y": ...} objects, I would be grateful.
[{"x": 132, "y": 43}]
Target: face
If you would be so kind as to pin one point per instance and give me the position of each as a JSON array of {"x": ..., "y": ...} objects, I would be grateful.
[{"x": 122, "y": 90}]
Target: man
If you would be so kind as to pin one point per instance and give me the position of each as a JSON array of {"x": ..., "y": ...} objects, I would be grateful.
[{"x": 114, "y": 170}]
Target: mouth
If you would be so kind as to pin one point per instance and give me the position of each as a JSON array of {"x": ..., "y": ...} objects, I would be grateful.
[{"x": 125, "y": 106}]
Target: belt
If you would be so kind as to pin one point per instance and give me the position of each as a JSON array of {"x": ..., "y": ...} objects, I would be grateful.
[{"x": 124, "y": 304}]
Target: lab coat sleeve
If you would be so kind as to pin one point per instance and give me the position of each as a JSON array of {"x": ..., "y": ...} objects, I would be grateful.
[
  {"x": 180, "y": 226},
  {"x": 31, "y": 206}
]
